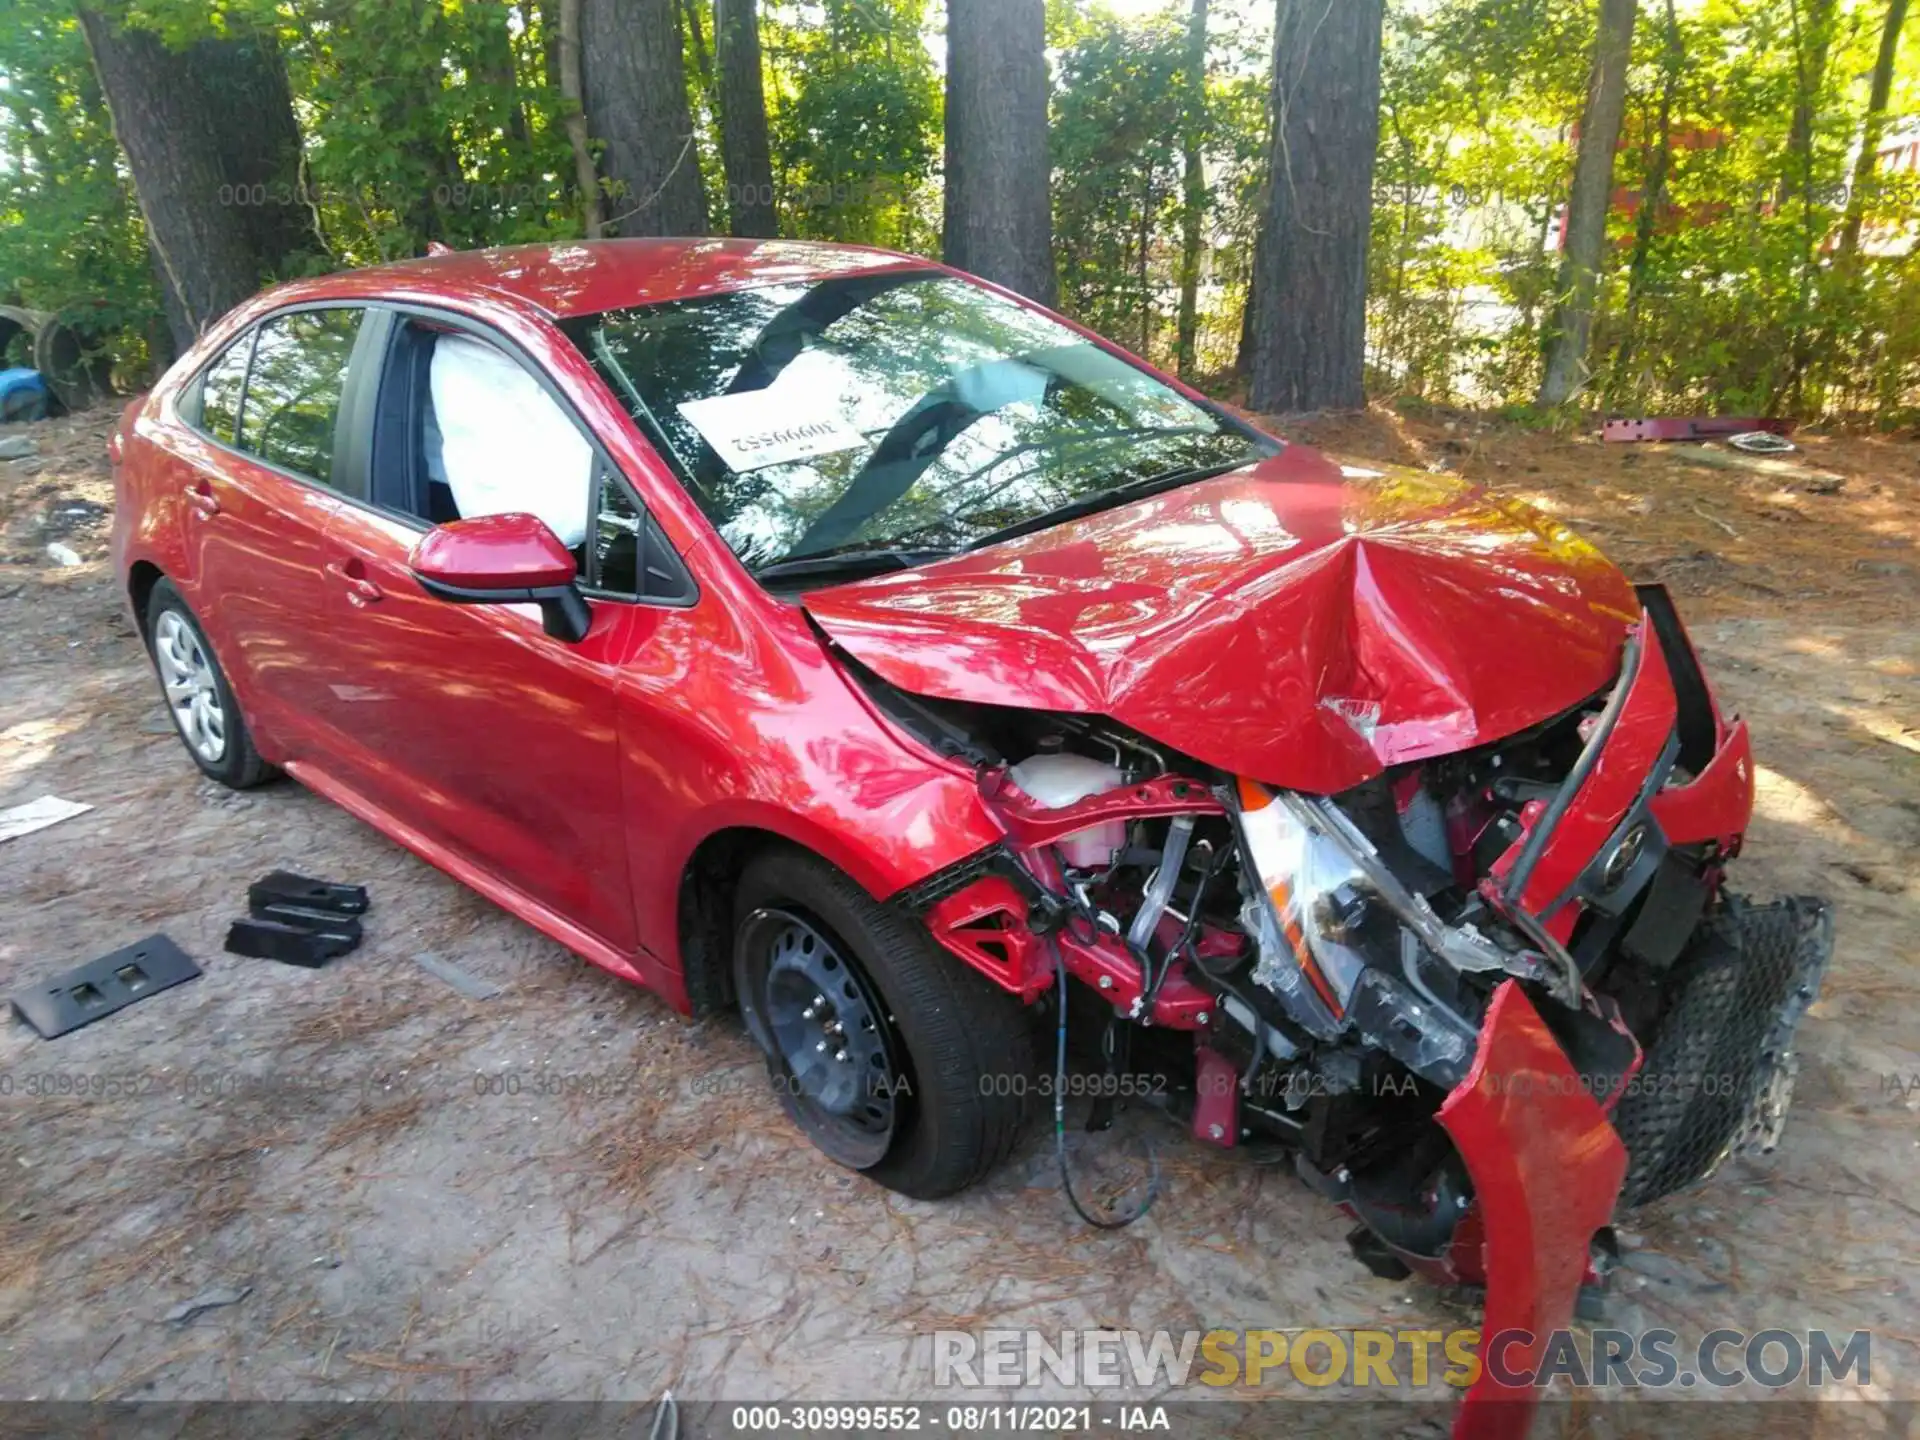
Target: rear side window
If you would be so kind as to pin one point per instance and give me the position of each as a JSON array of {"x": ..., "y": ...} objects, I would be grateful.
[
  {"x": 293, "y": 394},
  {"x": 220, "y": 389}
]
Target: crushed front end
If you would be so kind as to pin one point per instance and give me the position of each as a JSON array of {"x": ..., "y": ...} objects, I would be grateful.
[{"x": 1487, "y": 999}]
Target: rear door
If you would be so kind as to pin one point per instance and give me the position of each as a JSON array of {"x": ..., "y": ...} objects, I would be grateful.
[{"x": 258, "y": 501}]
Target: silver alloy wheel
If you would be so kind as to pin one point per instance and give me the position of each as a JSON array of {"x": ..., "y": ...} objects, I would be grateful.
[{"x": 192, "y": 695}]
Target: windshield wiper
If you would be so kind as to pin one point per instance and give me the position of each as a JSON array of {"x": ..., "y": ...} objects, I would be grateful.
[
  {"x": 833, "y": 562},
  {"x": 1108, "y": 499}
]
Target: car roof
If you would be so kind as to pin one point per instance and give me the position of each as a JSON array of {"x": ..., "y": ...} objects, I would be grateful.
[{"x": 583, "y": 277}]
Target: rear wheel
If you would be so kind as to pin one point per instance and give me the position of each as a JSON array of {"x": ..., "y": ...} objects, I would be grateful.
[
  {"x": 197, "y": 694},
  {"x": 892, "y": 1056}
]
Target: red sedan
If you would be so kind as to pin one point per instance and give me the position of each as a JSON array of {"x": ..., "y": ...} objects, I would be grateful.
[{"x": 825, "y": 634}]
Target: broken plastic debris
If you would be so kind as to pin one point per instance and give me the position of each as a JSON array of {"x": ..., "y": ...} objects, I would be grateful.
[
  {"x": 38, "y": 815},
  {"x": 63, "y": 554},
  {"x": 471, "y": 986},
  {"x": 103, "y": 986},
  {"x": 283, "y": 887},
  {"x": 307, "y": 942},
  {"x": 1761, "y": 442}
]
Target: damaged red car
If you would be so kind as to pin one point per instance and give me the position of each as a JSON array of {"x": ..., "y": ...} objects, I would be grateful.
[{"x": 824, "y": 634}]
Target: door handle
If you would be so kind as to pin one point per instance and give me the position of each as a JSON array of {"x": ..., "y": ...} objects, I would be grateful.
[
  {"x": 200, "y": 496},
  {"x": 360, "y": 590}
]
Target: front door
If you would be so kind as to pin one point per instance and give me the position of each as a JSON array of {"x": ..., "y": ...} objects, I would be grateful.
[{"x": 469, "y": 724}]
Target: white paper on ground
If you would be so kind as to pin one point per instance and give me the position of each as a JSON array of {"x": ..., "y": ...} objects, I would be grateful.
[
  {"x": 38, "y": 815},
  {"x": 758, "y": 428}
]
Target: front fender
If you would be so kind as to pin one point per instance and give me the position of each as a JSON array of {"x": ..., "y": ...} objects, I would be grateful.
[{"x": 1546, "y": 1168}]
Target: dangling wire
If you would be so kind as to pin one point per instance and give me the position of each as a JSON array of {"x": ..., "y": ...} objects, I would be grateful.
[{"x": 1060, "y": 1120}]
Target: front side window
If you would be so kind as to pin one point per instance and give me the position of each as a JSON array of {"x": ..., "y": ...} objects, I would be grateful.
[
  {"x": 293, "y": 393},
  {"x": 465, "y": 430},
  {"x": 220, "y": 389},
  {"x": 907, "y": 411}
]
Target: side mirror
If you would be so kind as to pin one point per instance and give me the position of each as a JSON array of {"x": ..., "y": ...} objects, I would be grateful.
[{"x": 503, "y": 560}]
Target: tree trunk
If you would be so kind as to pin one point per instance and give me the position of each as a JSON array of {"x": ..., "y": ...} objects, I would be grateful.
[
  {"x": 1876, "y": 121},
  {"x": 1309, "y": 304},
  {"x": 1812, "y": 40},
  {"x": 567, "y": 60},
  {"x": 205, "y": 234},
  {"x": 1653, "y": 197},
  {"x": 1193, "y": 210},
  {"x": 1592, "y": 198},
  {"x": 743, "y": 119},
  {"x": 634, "y": 82},
  {"x": 244, "y": 84},
  {"x": 1815, "y": 41},
  {"x": 997, "y": 222},
  {"x": 702, "y": 62}
]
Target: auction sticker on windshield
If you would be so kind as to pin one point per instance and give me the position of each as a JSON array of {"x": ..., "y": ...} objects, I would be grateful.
[{"x": 756, "y": 428}]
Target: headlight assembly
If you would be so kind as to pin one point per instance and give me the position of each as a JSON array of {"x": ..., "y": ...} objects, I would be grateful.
[{"x": 1341, "y": 939}]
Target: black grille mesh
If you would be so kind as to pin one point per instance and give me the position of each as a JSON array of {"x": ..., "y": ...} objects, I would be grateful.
[{"x": 1719, "y": 1071}]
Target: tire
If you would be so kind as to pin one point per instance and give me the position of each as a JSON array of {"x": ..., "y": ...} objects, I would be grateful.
[
  {"x": 959, "y": 1050},
  {"x": 179, "y": 648}
]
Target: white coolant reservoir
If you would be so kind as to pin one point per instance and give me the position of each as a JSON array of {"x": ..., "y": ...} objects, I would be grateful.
[{"x": 1057, "y": 781}]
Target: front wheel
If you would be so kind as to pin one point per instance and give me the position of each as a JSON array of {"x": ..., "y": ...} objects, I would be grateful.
[{"x": 892, "y": 1056}]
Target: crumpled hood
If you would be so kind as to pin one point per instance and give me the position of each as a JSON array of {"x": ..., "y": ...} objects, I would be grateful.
[{"x": 1285, "y": 622}]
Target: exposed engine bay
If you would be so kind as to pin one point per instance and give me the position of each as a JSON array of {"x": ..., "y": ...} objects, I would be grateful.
[{"x": 1500, "y": 991}]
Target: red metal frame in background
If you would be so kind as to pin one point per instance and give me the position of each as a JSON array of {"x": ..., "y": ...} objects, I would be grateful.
[{"x": 1698, "y": 427}]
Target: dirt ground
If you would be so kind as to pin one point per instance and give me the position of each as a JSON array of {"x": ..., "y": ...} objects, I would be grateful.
[{"x": 566, "y": 1190}]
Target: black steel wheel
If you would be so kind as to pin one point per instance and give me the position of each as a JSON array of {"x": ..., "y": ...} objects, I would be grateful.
[
  {"x": 828, "y": 1040},
  {"x": 894, "y": 1057}
]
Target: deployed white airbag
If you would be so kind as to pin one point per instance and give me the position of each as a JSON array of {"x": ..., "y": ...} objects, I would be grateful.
[{"x": 505, "y": 446}]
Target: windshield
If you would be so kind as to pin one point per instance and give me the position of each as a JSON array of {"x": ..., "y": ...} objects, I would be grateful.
[{"x": 906, "y": 411}]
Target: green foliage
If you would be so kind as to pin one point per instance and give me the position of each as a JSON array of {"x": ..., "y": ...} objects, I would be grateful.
[
  {"x": 429, "y": 121},
  {"x": 1729, "y": 299},
  {"x": 1117, "y": 133},
  {"x": 441, "y": 120},
  {"x": 854, "y": 117},
  {"x": 1744, "y": 261},
  {"x": 423, "y": 119},
  {"x": 1477, "y": 102},
  {"x": 71, "y": 239},
  {"x": 1117, "y": 116}
]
